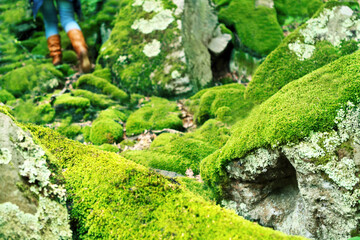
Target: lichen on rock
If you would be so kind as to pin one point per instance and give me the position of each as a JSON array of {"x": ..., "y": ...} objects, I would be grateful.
[
  {"x": 31, "y": 205},
  {"x": 334, "y": 25}
]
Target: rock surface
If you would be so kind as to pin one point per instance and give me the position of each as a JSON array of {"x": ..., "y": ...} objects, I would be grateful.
[
  {"x": 31, "y": 207},
  {"x": 309, "y": 188}
]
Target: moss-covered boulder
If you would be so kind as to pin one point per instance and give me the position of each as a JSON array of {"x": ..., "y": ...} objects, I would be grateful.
[
  {"x": 225, "y": 103},
  {"x": 330, "y": 34},
  {"x": 125, "y": 200},
  {"x": 177, "y": 153},
  {"x": 145, "y": 50},
  {"x": 32, "y": 77},
  {"x": 255, "y": 23},
  {"x": 32, "y": 200},
  {"x": 275, "y": 144},
  {"x": 158, "y": 114},
  {"x": 101, "y": 85}
]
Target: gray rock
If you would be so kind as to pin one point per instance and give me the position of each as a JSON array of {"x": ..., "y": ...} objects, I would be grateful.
[
  {"x": 31, "y": 207},
  {"x": 310, "y": 188},
  {"x": 199, "y": 23}
]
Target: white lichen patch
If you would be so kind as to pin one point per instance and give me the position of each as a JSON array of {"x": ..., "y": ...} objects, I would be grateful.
[
  {"x": 175, "y": 74},
  {"x": 152, "y": 6},
  {"x": 180, "y": 6},
  {"x": 152, "y": 49},
  {"x": 122, "y": 59},
  {"x": 253, "y": 164},
  {"x": 160, "y": 22},
  {"x": 342, "y": 172},
  {"x": 36, "y": 170},
  {"x": 5, "y": 156},
  {"x": 302, "y": 50},
  {"x": 333, "y": 25}
]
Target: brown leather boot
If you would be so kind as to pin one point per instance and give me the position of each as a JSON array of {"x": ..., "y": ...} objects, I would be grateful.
[
  {"x": 54, "y": 46},
  {"x": 80, "y": 47}
]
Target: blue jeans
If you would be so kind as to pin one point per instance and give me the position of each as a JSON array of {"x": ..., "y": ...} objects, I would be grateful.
[{"x": 66, "y": 12}]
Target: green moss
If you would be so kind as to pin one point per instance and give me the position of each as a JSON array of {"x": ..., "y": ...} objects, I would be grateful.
[
  {"x": 86, "y": 133},
  {"x": 156, "y": 115},
  {"x": 112, "y": 113},
  {"x": 177, "y": 153},
  {"x": 302, "y": 106},
  {"x": 127, "y": 143},
  {"x": 101, "y": 85},
  {"x": 96, "y": 100},
  {"x": 226, "y": 102},
  {"x": 196, "y": 187},
  {"x": 5, "y": 96},
  {"x": 257, "y": 27},
  {"x": 30, "y": 78},
  {"x": 283, "y": 66},
  {"x": 30, "y": 112},
  {"x": 123, "y": 52},
  {"x": 106, "y": 131},
  {"x": 67, "y": 101},
  {"x": 69, "y": 130},
  {"x": 294, "y": 9},
  {"x": 124, "y": 200},
  {"x": 108, "y": 147},
  {"x": 69, "y": 56},
  {"x": 104, "y": 73}
]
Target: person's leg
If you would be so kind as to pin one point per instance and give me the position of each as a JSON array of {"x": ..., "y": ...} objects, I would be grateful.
[
  {"x": 67, "y": 19},
  {"x": 49, "y": 13},
  {"x": 66, "y": 10}
]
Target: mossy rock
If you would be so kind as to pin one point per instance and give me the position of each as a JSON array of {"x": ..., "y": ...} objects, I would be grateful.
[
  {"x": 256, "y": 26},
  {"x": 306, "y": 105},
  {"x": 108, "y": 147},
  {"x": 106, "y": 130},
  {"x": 29, "y": 112},
  {"x": 226, "y": 103},
  {"x": 5, "y": 96},
  {"x": 96, "y": 100},
  {"x": 129, "y": 201},
  {"x": 100, "y": 85},
  {"x": 104, "y": 73},
  {"x": 288, "y": 10},
  {"x": 67, "y": 101},
  {"x": 114, "y": 114},
  {"x": 31, "y": 78},
  {"x": 158, "y": 114},
  {"x": 69, "y": 57},
  {"x": 284, "y": 65},
  {"x": 144, "y": 51},
  {"x": 177, "y": 153}
]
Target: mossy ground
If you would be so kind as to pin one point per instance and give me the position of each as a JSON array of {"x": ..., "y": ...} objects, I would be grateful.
[
  {"x": 158, "y": 114},
  {"x": 177, "y": 153},
  {"x": 225, "y": 103},
  {"x": 126, "y": 201}
]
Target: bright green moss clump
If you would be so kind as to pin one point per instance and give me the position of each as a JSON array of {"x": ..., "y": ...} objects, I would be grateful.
[
  {"x": 123, "y": 200},
  {"x": 158, "y": 114},
  {"x": 101, "y": 85},
  {"x": 256, "y": 26},
  {"x": 5, "y": 96},
  {"x": 177, "y": 153},
  {"x": 30, "y": 112},
  {"x": 25, "y": 79},
  {"x": 302, "y": 106},
  {"x": 226, "y": 103},
  {"x": 290, "y": 9},
  {"x": 106, "y": 131},
  {"x": 67, "y": 101},
  {"x": 96, "y": 100},
  {"x": 283, "y": 66}
]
